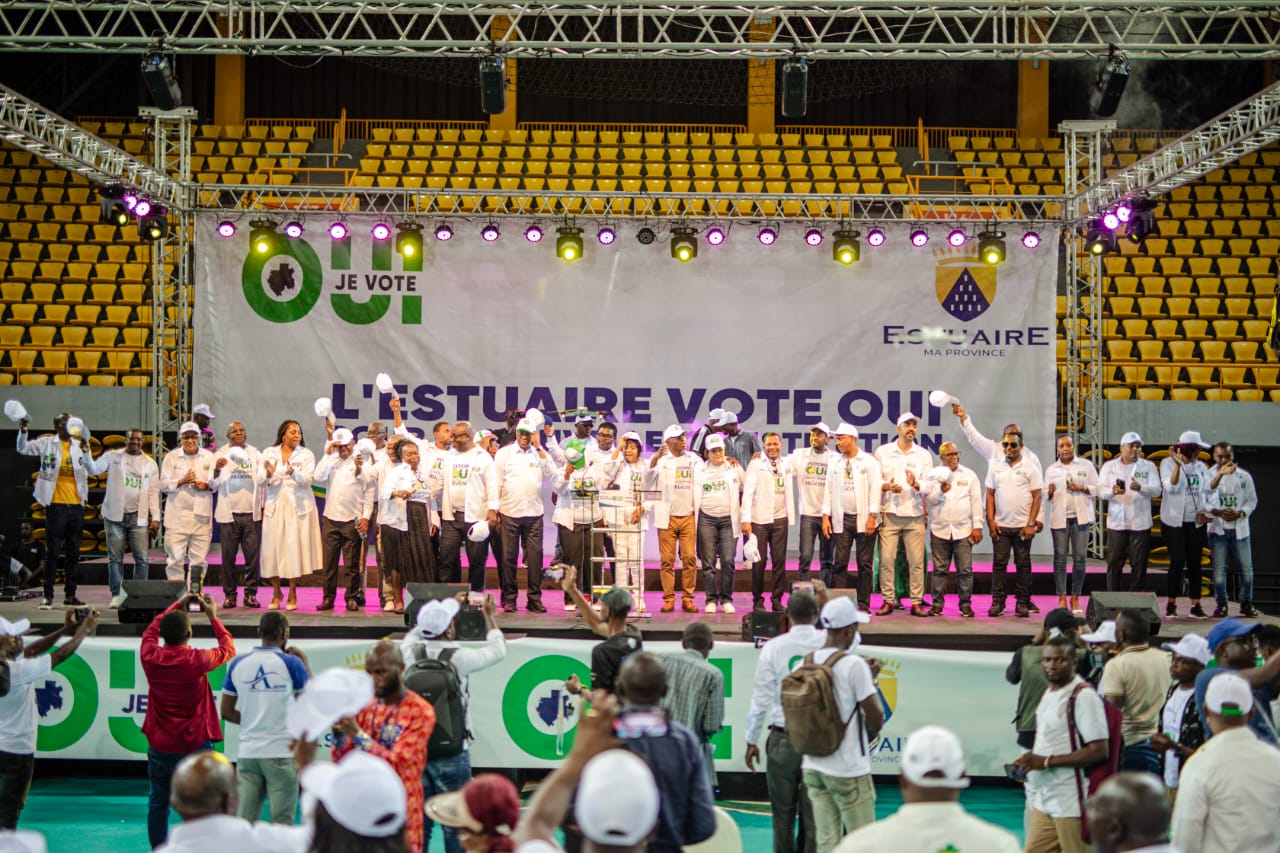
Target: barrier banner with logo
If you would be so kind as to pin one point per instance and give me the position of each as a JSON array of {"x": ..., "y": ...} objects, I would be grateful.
[
  {"x": 780, "y": 334},
  {"x": 93, "y": 705}
]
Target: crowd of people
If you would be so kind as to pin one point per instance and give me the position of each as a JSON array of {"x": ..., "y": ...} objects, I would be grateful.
[{"x": 418, "y": 504}]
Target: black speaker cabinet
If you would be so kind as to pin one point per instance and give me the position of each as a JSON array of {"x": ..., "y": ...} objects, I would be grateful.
[
  {"x": 421, "y": 593},
  {"x": 795, "y": 88},
  {"x": 761, "y": 626},
  {"x": 493, "y": 86},
  {"x": 144, "y": 600},
  {"x": 1105, "y": 605}
]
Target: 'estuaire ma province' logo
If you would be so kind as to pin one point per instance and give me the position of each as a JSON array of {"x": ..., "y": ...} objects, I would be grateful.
[{"x": 966, "y": 286}]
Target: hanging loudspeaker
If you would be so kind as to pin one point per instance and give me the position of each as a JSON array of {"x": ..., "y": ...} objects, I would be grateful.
[
  {"x": 795, "y": 88},
  {"x": 493, "y": 89}
]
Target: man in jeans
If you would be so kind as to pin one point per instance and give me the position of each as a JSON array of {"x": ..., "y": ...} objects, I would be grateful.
[
  {"x": 1230, "y": 499},
  {"x": 1136, "y": 681},
  {"x": 130, "y": 510},
  {"x": 257, "y": 694},
  {"x": 18, "y": 720},
  {"x": 181, "y": 717},
  {"x": 1013, "y": 505},
  {"x": 433, "y": 637}
]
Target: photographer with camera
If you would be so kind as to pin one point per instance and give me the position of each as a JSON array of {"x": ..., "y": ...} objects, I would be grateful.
[
  {"x": 27, "y": 664},
  {"x": 182, "y": 717}
]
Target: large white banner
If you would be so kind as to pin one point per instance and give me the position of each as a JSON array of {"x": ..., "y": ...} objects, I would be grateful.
[
  {"x": 92, "y": 706},
  {"x": 780, "y": 334}
]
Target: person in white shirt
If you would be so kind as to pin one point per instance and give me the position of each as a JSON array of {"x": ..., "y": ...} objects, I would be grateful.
[
  {"x": 290, "y": 532},
  {"x": 627, "y": 515},
  {"x": 717, "y": 491},
  {"x": 408, "y": 519},
  {"x": 990, "y": 450},
  {"x": 1129, "y": 813},
  {"x": 903, "y": 465},
  {"x": 931, "y": 817},
  {"x": 851, "y": 512},
  {"x": 788, "y": 798},
  {"x": 238, "y": 514},
  {"x": 1181, "y": 729},
  {"x": 1229, "y": 789},
  {"x": 768, "y": 510},
  {"x": 953, "y": 494},
  {"x": 188, "y": 506},
  {"x": 433, "y": 638},
  {"x": 62, "y": 486},
  {"x": 839, "y": 784},
  {"x": 1013, "y": 505},
  {"x": 1231, "y": 498},
  {"x": 1069, "y": 486},
  {"x": 1128, "y": 483},
  {"x": 469, "y": 495},
  {"x": 348, "y": 504},
  {"x": 27, "y": 664},
  {"x": 673, "y": 472},
  {"x": 810, "y": 467},
  {"x": 257, "y": 694},
  {"x": 1183, "y": 516},
  {"x": 577, "y": 511},
  {"x": 1070, "y": 712},
  {"x": 130, "y": 510},
  {"x": 522, "y": 468}
]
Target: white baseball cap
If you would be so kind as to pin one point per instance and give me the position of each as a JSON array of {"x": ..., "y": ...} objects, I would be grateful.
[
  {"x": 751, "y": 550},
  {"x": 15, "y": 411},
  {"x": 435, "y": 617},
  {"x": 841, "y": 613},
  {"x": 1131, "y": 438},
  {"x": 673, "y": 431},
  {"x": 632, "y": 435},
  {"x": 715, "y": 441},
  {"x": 939, "y": 398},
  {"x": 933, "y": 749},
  {"x": 1190, "y": 646},
  {"x": 1106, "y": 633},
  {"x": 729, "y": 418},
  {"x": 585, "y": 418},
  {"x": 323, "y": 407},
  {"x": 525, "y": 426},
  {"x": 238, "y": 455},
  {"x": 715, "y": 416},
  {"x": 821, "y": 426},
  {"x": 1193, "y": 437},
  {"x": 362, "y": 792},
  {"x": 366, "y": 447},
  {"x": 617, "y": 800},
  {"x": 1229, "y": 695},
  {"x": 189, "y": 426},
  {"x": 479, "y": 531},
  {"x": 907, "y": 416},
  {"x": 14, "y": 629},
  {"x": 342, "y": 436},
  {"x": 202, "y": 409},
  {"x": 846, "y": 429},
  {"x": 333, "y": 694},
  {"x": 384, "y": 383}
]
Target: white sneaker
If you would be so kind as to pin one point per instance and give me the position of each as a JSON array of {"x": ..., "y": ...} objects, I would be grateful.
[
  {"x": 46, "y": 604},
  {"x": 727, "y": 607},
  {"x": 389, "y": 607},
  {"x": 711, "y": 607},
  {"x": 115, "y": 603},
  {"x": 569, "y": 605}
]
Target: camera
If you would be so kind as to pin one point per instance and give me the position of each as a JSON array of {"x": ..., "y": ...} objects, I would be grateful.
[{"x": 82, "y": 613}]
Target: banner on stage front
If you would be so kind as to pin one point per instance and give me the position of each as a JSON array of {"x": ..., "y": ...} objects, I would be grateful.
[
  {"x": 93, "y": 705},
  {"x": 469, "y": 329}
]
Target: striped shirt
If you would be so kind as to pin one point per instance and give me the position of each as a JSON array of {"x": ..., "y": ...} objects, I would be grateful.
[{"x": 695, "y": 698}]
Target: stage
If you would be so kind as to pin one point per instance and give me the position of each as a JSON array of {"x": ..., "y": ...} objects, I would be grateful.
[{"x": 948, "y": 631}]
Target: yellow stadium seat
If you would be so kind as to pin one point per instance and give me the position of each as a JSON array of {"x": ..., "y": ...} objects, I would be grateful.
[
  {"x": 1250, "y": 395},
  {"x": 33, "y": 379},
  {"x": 1184, "y": 394},
  {"x": 1150, "y": 393},
  {"x": 1245, "y": 351},
  {"x": 1150, "y": 351},
  {"x": 1233, "y": 377},
  {"x": 1118, "y": 392},
  {"x": 1213, "y": 350},
  {"x": 1226, "y": 330},
  {"x": 1201, "y": 377},
  {"x": 1239, "y": 308},
  {"x": 1120, "y": 350},
  {"x": 1208, "y": 307}
]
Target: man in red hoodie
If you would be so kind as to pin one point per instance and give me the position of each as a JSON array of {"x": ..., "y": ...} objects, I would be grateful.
[{"x": 181, "y": 715}]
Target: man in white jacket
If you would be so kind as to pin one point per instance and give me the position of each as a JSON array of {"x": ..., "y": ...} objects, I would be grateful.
[
  {"x": 348, "y": 503},
  {"x": 469, "y": 496},
  {"x": 130, "y": 510},
  {"x": 1128, "y": 483},
  {"x": 953, "y": 494},
  {"x": 768, "y": 509},
  {"x": 1231, "y": 499},
  {"x": 1183, "y": 516},
  {"x": 61, "y": 488},
  {"x": 1070, "y": 484},
  {"x": 238, "y": 514},
  {"x": 851, "y": 512},
  {"x": 522, "y": 468},
  {"x": 810, "y": 467},
  {"x": 673, "y": 515},
  {"x": 188, "y": 507}
]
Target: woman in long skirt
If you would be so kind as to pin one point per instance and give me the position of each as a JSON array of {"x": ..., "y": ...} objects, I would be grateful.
[
  {"x": 408, "y": 523},
  {"x": 290, "y": 523}
]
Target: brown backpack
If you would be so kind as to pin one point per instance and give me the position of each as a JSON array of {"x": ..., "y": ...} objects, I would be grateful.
[{"x": 809, "y": 706}]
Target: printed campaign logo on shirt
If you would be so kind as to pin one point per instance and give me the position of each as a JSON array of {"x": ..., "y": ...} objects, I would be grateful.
[
  {"x": 714, "y": 486},
  {"x": 461, "y": 473}
]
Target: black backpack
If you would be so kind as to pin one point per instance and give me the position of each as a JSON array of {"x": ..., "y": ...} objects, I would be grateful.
[{"x": 437, "y": 681}]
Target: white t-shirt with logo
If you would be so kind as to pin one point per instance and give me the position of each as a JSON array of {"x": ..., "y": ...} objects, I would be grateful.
[
  {"x": 811, "y": 479},
  {"x": 18, "y": 719},
  {"x": 715, "y": 492},
  {"x": 682, "y": 485},
  {"x": 853, "y": 683},
  {"x": 1053, "y": 792},
  {"x": 1013, "y": 486},
  {"x": 263, "y": 682},
  {"x": 778, "y": 478}
]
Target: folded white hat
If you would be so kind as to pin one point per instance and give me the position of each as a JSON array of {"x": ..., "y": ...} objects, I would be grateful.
[
  {"x": 324, "y": 407},
  {"x": 15, "y": 411},
  {"x": 366, "y": 447},
  {"x": 14, "y": 629},
  {"x": 941, "y": 398},
  {"x": 940, "y": 474},
  {"x": 673, "y": 431},
  {"x": 361, "y": 792},
  {"x": 435, "y": 617},
  {"x": 1106, "y": 633},
  {"x": 342, "y": 437},
  {"x": 1193, "y": 437},
  {"x": 384, "y": 384},
  {"x": 333, "y": 694},
  {"x": 535, "y": 417},
  {"x": 238, "y": 455},
  {"x": 479, "y": 531},
  {"x": 76, "y": 427},
  {"x": 751, "y": 550}
]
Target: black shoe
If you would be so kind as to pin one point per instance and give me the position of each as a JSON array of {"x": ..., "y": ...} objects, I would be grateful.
[
  {"x": 1171, "y": 609},
  {"x": 758, "y": 607},
  {"x": 509, "y": 607},
  {"x": 353, "y": 606},
  {"x": 966, "y": 611},
  {"x": 72, "y": 602},
  {"x": 1220, "y": 611},
  {"x": 229, "y": 603},
  {"x": 776, "y": 605},
  {"x": 935, "y": 610},
  {"x": 251, "y": 602},
  {"x": 1021, "y": 611},
  {"x": 536, "y": 607},
  {"x": 1247, "y": 611},
  {"x": 1031, "y": 605},
  {"x": 996, "y": 609},
  {"x": 1197, "y": 612},
  {"x": 327, "y": 604}
]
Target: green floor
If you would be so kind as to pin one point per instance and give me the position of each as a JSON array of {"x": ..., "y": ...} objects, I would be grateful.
[{"x": 110, "y": 815}]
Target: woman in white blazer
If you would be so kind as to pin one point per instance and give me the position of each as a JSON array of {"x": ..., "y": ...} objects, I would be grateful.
[{"x": 290, "y": 523}]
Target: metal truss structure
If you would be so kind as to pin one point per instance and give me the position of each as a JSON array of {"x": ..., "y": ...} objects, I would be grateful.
[
  {"x": 826, "y": 29},
  {"x": 1244, "y": 128}
]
